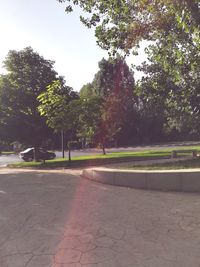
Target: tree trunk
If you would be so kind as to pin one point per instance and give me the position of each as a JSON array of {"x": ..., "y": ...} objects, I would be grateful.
[
  {"x": 69, "y": 154},
  {"x": 36, "y": 154},
  {"x": 69, "y": 151},
  {"x": 116, "y": 145},
  {"x": 103, "y": 148},
  {"x": 83, "y": 143},
  {"x": 62, "y": 143}
]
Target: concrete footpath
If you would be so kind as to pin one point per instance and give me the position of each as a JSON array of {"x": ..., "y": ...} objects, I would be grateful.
[{"x": 57, "y": 219}]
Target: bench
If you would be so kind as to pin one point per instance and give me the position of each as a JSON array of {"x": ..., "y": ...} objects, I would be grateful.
[{"x": 175, "y": 152}]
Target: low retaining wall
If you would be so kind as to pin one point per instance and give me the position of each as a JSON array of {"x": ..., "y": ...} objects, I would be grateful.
[{"x": 172, "y": 180}]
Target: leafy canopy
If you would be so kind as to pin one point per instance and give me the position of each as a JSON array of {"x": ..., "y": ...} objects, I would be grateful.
[
  {"x": 56, "y": 105},
  {"x": 120, "y": 25},
  {"x": 27, "y": 76}
]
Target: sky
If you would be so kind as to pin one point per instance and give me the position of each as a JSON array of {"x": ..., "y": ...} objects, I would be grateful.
[{"x": 49, "y": 30}]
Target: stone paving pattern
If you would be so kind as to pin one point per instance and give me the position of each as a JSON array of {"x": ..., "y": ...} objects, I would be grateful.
[{"x": 57, "y": 219}]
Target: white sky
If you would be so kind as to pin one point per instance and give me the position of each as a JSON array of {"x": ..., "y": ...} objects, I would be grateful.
[{"x": 49, "y": 30}]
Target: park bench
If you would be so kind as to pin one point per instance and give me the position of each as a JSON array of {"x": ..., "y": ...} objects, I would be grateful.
[{"x": 175, "y": 152}]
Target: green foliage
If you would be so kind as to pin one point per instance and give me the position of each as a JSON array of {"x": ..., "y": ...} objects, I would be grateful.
[
  {"x": 171, "y": 84},
  {"x": 115, "y": 83},
  {"x": 59, "y": 106},
  {"x": 56, "y": 105},
  {"x": 90, "y": 112},
  {"x": 87, "y": 91},
  {"x": 109, "y": 107},
  {"x": 169, "y": 95},
  {"x": 114, "y": 77},
  {"x": 120, "y": 25},
  {"x": 27, "y": 76}
]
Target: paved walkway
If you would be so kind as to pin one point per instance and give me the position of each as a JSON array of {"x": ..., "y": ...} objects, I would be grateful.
[{"x": 57, "y": 219}]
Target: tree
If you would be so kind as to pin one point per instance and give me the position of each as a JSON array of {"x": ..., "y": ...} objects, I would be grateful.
[
  {"x": 153, "y": 90},
  {"x": 90, "y": 112},
  {"x": 87, "y": 91},
  {"x": 172, "y": 82},
  {"x": 120, "y": 25},
  {"x": 115, "y": 83},
  {"x": 174, "y": 28},
  {"x": 111, "y": 121},
  {"x": 109, "y": 109},
  {"x": 114, "y": 77},
  {"x": 27, "y": 76},
  {"x": 59, "y": 109},
  {"x": 98, "y": 120}
]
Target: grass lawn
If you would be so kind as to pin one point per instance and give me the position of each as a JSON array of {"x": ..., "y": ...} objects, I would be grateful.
[
  {"x": 187, "y": 164},
  {"x": 96, "y": 159},
  {"x": 86, "y": 161},
  {"x": 6, "y": 152}
]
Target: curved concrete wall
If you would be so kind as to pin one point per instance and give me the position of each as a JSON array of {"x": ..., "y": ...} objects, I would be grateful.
[{"x": 172, "y": 180}]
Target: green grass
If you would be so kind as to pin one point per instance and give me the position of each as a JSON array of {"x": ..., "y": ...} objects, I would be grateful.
[
  {"x": 95, "y": 159},
  {"x": 187, "y": 164},
  {"x": 6, "y": 152},
  {"x": 100, "y": 159}
]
